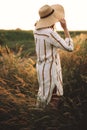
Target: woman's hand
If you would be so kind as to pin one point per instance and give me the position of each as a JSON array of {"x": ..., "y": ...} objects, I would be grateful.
[
  {"x": 63, "y": 23},
  {"x": 64, "y": 26}
]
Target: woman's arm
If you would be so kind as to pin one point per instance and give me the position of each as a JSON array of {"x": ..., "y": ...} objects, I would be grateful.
[
  {"x": 64, "y": 26},
  {"x": 56, "y": 40}
]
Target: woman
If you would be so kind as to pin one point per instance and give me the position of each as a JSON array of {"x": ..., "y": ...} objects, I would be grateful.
[{"x": 48, "y": 42}]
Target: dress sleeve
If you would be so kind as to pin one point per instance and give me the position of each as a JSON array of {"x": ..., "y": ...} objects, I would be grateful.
[{"x": 57, "y": 41}]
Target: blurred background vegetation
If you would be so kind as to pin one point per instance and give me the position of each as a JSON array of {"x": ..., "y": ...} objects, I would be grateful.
[{"x": 18, "y": 85}]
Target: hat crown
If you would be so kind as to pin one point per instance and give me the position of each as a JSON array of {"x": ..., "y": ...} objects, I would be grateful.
[
  {"x": 45, "y": 11},
  {"x": 49, "y": 15}
]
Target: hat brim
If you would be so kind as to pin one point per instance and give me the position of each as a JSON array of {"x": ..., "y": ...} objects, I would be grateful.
[
  {"x": 59, "y": 11},
  {"x": 53, "y": 18}
]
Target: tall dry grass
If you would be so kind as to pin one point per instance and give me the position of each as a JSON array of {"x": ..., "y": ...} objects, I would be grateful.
[
  {"x": 18, "y": 86},
  {"x": 17, "y": 75}
]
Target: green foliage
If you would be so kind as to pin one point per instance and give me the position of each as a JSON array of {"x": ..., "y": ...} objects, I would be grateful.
[
  {"x": 16, "y": 35},
  {"x": 72, "y": 33},
  {"x": 2, "y": 39},
  {"x": 14, "y": 39}
]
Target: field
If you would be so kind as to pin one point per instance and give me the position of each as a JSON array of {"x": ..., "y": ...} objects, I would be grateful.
[{"x": 18, "y": 85}]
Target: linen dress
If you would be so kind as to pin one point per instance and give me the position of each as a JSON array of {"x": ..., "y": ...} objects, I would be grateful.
[{"x": 48, "y": 65}]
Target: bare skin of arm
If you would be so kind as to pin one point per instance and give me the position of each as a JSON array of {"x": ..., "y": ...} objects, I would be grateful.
[{"x": 64, "y": 26}]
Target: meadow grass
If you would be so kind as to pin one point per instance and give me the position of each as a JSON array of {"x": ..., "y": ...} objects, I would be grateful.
[{"x": 18, "y": 90}]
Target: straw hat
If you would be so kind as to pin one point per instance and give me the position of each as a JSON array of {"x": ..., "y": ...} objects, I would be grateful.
[{"x": 49, "y": 15}]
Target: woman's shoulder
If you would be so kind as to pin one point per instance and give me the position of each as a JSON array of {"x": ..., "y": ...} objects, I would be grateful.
[{"x": 43, "y": 30}]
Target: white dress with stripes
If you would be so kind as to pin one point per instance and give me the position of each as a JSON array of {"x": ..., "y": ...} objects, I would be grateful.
[{"x": 48, "y": 62}]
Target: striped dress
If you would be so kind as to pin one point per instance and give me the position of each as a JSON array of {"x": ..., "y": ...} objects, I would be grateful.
[{"x": 48, "y": 65}]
